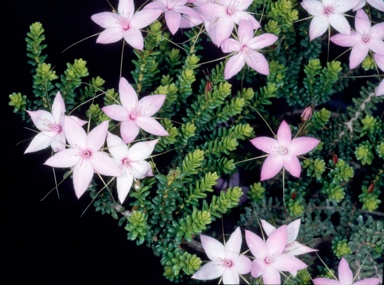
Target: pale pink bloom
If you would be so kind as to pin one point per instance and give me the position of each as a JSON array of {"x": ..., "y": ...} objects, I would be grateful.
[
  {"x": 246, "y": 49},
  {"x": 84, "y": 155},
  {"x": 378, "y": 4},
  {"x": 134, "y": 114},
  {"x": 50, "y": 126},
  {"x": 283, "y": 151},
  {"x": 226, "y": 260},
  {"x": 124, "y": 24},
  {"x": 379, "y": 59},
  {"x": 130, "y": 161},
  {"x": 362, "y": 40},
  {"x": 174, "y": 11},
  {"x": 270, "y": 258},
  {"x": 221, "y": 16},
  {"x": 380, "y": 89},
  {"x": 345, "y": 277},
  {"x": 328, "y": 12}
]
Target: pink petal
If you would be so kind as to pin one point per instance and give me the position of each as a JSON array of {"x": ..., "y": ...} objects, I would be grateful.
[
  {"x": 172, "y": 19},
  {"x": 342, "y": 6},
  {"x": 117, "y": 147},
  {"x": 339, "y": 23},
  {"x": 150, "y": 104},
  {"x": 377, "y": 31},
  {"x": 277, "y": 241},
  {"x": 140, "y": 169},
  {"x": 58, "y": 109},
  {"x": 265, "y": 144},
  {"x": 377, "y": 45},
  {"x": 256, "y": 245},
  {"x": 284, "y": 135},
  {"x": 128, "y": 95},
  {"x": 123, "y": 184},
  {"x": 292, "y": 165},
  {"x": 244, "y": 16},
  {"x": 313, "y": 7},
  {"x": 257, "y": 61},
  {"x": 362, "y": 22},
  {"x": 358, "y": 54},
  {"x": 96, "y": 137},
  {"x": 213, "y": 10},
  {"x": 106, "y": 20},
  {"x": 380, "y": 89},
  {"x": 77, "y": 120},
  {"x": 379, "y": 59},
  {"x": 75, "y": 134},
  {"x": 318, "y": 26},
  {"x": 156, "y": 5},
  {"x": 212, "y": 247},
  {"x": 208, "y": 271},
  {"x": 293, "y": 230},
  {"x": 346, "y": 40},
  {"x": 110, "y": 35},
  {"x": 345, "y": 273},
  {"x": 258, "y": 267},
  {"x": 230, "y": 45},
  {"x": 144, "y": 18},
  {"x": 233, "y": 244},
  {"x": 42, "y": 119},
  {"x": 104, "y": 165},
  {"x": 82, "y": 176},
  {"x": 271, "y": 167},
  {"x": 378, "y": 4},
  {"x": 234, "y": 65},
  {"x": 243, "y": 264},
  {"x": 134, "y": 38},
  {"x": 287, "y": 262},
  {"x": 65, "y": 158},
  {"x": 325, "y": 281},
  {"x": 41, "y": 141},
  {"x": 126, "y": 7},
  {"x": 243, "y": 5},
  {"x": 245, "y": 32},
  {"x": 58, "y": 142},
  {"x": 141, "y": 150},
  {"x": 231, "y": 276},
  {"x": 267, "y": 227},
  {"x": 129, "y": 131},
  {"x": 271, "y": 276},
  {"x": 150, "y": 125},
  {"x": 296, "y": 248},
  {"x": 302, "y": 145},
  {"x": 262, "y": 41},
  {"x": 116, "y": 112}
]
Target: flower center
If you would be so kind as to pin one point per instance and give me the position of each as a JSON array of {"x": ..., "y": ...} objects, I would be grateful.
[
  {"x": 125, "y": 162},
  {"x": 330, "y": 9},
  {"x": 55, "y": 128},
  {"x": 86, "y": 153},
  {"x": 226, "y": 262},
  {"x": 268, "y": 259},
  {"x": 124, "y": 22},
  {"x": 366, "y": 36},
  {"x": 280, "y": 150}
]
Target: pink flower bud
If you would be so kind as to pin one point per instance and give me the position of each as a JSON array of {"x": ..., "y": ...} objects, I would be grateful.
[{"x": 307, "y": 113}]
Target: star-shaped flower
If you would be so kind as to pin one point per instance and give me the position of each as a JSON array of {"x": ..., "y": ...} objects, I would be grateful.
[
  {"x": 220, "y": 18},
  {"x": 345, "y": 277},
  {"x": 84, "y": 155},
  {"x": 135, "y": 114},
  {"x": 226, "y": 260},
  {"x": 50, "y": 126},
  {"x": 174, "y": 11},
  {"x": 328, "y": 12},
  {"x": 130, "y": 161},
  {"x": 364, "y": 39},
  {"x": 283, "y": 151},
  {"x": 124, "y": 24},
  {"x": 270, "y": 258},
  {"x": 246, "y": 48}
]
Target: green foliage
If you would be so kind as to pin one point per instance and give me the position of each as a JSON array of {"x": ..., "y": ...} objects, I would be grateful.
[{"x": 137, "y": 227}]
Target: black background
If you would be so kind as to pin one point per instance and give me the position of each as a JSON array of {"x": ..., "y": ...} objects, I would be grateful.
[{"x": 47, "y": 242}]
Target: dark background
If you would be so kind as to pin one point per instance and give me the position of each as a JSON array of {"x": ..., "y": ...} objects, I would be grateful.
[{"x": 47, "y": 242}]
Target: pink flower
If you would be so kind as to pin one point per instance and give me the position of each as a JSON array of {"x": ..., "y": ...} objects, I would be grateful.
[
  {"x": 84, "y": 155},
  {"x": 380, "y": 63},
  {"x": 362, "y": 40},
  {"x": 174, "y": 11},
  {"x": 270, "y": 259},
  {"x": 293, "y": 247},
  {"x": 135, "y": 114},
  {"x": 226, "y": 260},
  {"x": 283, "y": 151},
  {"x": 345, "y": 277},
  {"x": 328, "y": 12},
  {"x": 378, "y": 4},
  {"x": 130, "y": 161},
  {"x": 50, "y": 126},
  {"x": 220, "y": 18},
  {"x": 380, "y": 89},
  {"x": 246, "y": 49},
  {"x": 124, "y": 24}
]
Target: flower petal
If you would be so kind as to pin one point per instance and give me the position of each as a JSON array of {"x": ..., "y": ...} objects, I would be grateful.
[
  {"x": 231, "y": 276},
  {"x": 257, "y": 61},
  {"x": 345, "y": 273},
  {"x": 58, "y": 109},
  {"x": 296, "y": 248},
  {"x": 378, "y": 4},
  {"x": 150, "y": 104},
  {"x": 380, "y": 89},
  {"x": 243, "y": 264},
  {"x": 265, "y": 144},
  {"x": 302, "y": 145},
  {"x": 271, "y": 167},
  {"x": 262, "y": 41},
  {"x": 96, "y": 137},
  {"x": 104, "y": 165},
  {"x": 126, "y": 7},
  {"x": 106, "y": 19},
  {"x": 141, "y": 150},
  {"x": 150, "y": 125},
  {"x": 313, "y": 7},
  {"x": 65, "y": 158},
  {"x": 318, "y": 26},
  {"x": 292, "y": 165},
  {"x": 172, "y": 19},
  {"x": 75, "y": 134},
  {"x": 123, "y": 184},
  {"x": 339, "y": 23},
  {"x": 346, "y": 40},
  {"x": 41, "y": 141},
  {"x": 128, "y": 95},
  {"x": 116, "y": 112},
  {"x": 256, "y": 245},
  {"x": 267, "y": 227},
  {"x": 208, "y": 271},
  {"x": 129, "y": 131},
  {"x": 284, "y": 135},
  {"x": 234, "y": 65},
  {"x": 233, "y": 244},
  {"x": 271, "y": 276},
  {"x": 117, "y": 147},
  {"x": 42, "y": 119},
  {"x": 212, "y": 247},
  {"x": 140, "y": 169},
  {"x": 277, "y": 241},
  {"x": 368, "y": 281},
  {"x": 134, "y": 38},
  {"x": 293, "y": 230},
  {"x": 379, "y": 59},
  {"x": 110, "y": 35},
  {"x": 82, "y": 176},
  {"x": 230, "y": 45},
  {"x": 325, "y": 281},
  {"x": 287, "y": 262},
  {"x": 358, "y": 54}
]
